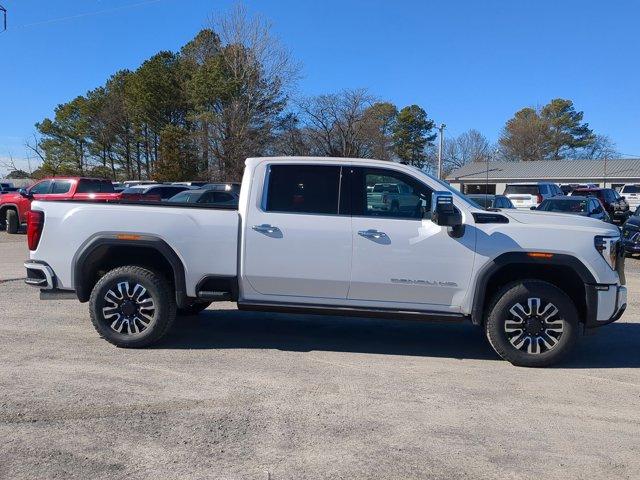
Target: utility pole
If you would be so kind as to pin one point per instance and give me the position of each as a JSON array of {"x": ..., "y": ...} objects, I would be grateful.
[{"x": 441, "y": 128}]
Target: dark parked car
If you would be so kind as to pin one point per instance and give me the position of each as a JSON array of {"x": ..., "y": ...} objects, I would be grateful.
[
  {"x": 206, "y": 196},
  {"x": 584, "y": 206},
  {"x": 615, "y": 205},
  {"x": 152, "y": 192},
  {"x": 491, "y": 201},
  {"x": 223, "y": 187},
  {"x": 631, "y": 233}
]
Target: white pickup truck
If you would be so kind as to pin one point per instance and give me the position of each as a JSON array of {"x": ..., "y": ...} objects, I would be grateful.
[{"x": 304, "y": 240}]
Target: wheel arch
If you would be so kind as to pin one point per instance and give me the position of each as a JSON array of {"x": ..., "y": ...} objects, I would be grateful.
[
  {"x": 5, "y": 207},
  {"x": 566, "y": 272},
  {"x": 111, "y": 250}
]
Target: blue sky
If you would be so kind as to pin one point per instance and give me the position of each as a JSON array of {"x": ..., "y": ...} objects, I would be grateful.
[{"x": 470, "y": 64}]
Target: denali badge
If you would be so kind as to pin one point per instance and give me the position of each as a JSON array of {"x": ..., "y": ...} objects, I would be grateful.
[{"x": 428, "y": 283}]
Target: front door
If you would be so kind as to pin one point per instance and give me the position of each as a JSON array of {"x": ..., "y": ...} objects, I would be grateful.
[
  {"x": 297, "y": 243},
  {"x": 399, "y": 255}
]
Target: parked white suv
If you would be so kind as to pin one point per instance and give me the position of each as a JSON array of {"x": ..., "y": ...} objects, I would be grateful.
[
  {"x": 527, "y": 195},
  {"x": 303, "y": 239},
  {"x": 631, "y": 193}
]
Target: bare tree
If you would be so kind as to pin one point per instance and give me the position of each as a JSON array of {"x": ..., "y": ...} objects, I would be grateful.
[
  {"x": 261, "y": 74},
  {"x": 468, "y": 147},
  {"x": 335, "y": 123},
  {"x": 602, "y": 147}
]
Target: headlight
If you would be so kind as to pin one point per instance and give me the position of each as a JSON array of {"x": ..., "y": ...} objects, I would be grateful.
[{"x": 608, "y": 248}]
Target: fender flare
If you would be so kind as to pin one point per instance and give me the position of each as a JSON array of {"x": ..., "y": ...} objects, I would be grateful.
[
  {"x": 115, "y": 239},
  {"x": 519, "y": 258}
]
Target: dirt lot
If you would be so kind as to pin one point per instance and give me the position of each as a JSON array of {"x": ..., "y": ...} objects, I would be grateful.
[{"x": 238, "y": 395}]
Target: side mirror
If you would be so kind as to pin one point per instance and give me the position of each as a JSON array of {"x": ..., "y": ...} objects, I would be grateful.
[
  {"x": 25, "y": 193},
  {"x": 533, "y": 208},
  {"x": 445, "y": 214}
]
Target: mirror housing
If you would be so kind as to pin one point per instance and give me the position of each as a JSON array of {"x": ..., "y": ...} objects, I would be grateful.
[
  {"x": 445, "y": 214},
  {"x": 533, "y": 207},
  {"x": 25, "y": 193}
]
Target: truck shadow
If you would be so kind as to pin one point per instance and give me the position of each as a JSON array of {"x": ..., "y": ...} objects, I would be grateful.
[{"x": 615, "y": 346}]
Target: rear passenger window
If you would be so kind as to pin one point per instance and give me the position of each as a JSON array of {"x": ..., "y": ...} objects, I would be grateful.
[
  {"x": 303, "y": 189},
  {"x": 61, "y": 187}
]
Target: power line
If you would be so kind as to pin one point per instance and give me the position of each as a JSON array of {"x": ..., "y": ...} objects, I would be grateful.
[
  {"x": 82, "y": 15},
  {"x": 4, "y": 16}
]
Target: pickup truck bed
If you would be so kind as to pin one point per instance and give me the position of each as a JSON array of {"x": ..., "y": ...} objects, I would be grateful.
[{"x": 205, "y": 239}]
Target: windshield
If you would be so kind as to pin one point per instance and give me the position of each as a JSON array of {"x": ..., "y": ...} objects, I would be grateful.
[
  {"x": 523, "y": 189},
  {"x": 180, "y": 197},
  {"x": 483, "y": 201},
  {"x": 385, "y": 188},
  {"x": 631, "y": 189},
  {"x": 565, "y": 206},
  {"x": 134, "y": 190}
]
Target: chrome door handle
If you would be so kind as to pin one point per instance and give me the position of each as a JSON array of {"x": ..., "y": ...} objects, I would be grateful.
[
  {"x": 265, "y": 228},
  {"x": 372, "y": 234}
]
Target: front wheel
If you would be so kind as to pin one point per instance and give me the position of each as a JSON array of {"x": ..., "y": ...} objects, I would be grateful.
[
  {"x": 532, "y": 323},
  {"x": 132, "y": 306}
]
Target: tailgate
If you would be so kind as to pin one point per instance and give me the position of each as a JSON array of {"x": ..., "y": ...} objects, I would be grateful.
[{"x": 523, "y": 199}]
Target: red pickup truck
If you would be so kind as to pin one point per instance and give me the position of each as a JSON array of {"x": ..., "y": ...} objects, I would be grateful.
[{"x": 14, "y": 206}]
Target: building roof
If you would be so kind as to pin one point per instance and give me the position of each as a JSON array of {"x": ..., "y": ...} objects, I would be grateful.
[{"x": 549, "y": 170}]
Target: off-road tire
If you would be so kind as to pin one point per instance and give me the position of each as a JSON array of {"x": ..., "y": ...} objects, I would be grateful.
[
  {"x": 194, "y": 308},
  {"x": 520, "y": 292},
  {"x": 157, "y": 288},
  {"x": 12, "y": 222}
]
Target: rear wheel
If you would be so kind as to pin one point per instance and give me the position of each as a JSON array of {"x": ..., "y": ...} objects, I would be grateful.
[
  {"x": 13, "y": 225},
  {"x": 132, "y": 306},
  {"x": 532, "y": 323}
]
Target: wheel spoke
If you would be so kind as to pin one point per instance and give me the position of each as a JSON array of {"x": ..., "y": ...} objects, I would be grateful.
[
  {"x": 549, "y": 311},
  {"x": 518, "y": 311},
  {"x": 533, "y": 348}
]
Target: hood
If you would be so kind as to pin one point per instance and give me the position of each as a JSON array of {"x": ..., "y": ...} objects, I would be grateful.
[
  {"x": 10, "y": 197},
  {"x": 633, "y": 221},
  {"x": 561, "y": 220}
]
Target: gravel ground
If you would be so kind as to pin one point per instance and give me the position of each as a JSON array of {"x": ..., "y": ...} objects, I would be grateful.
[{"x": 239, "y": 395}]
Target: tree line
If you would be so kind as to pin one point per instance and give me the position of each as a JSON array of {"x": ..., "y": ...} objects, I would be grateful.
[{"x": 227, "y": 95}]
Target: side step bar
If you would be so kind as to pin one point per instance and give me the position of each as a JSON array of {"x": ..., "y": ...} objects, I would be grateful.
[{"x": 424, "y": 316}]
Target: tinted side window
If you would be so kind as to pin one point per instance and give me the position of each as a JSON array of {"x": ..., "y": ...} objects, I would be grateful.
[
  {"x": 61, "y": 187},
  {"x": 303, "y": 189},
  {"x": 42, "y": 187},
  {"x": 388, "y": 202},
  {"x": 94, "y": 186}
]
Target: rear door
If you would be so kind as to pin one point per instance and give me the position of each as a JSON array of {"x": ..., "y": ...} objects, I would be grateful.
[{"x": 297, "y": 244}]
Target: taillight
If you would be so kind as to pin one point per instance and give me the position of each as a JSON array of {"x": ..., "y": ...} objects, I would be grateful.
[
  {"x": 539, "y": 198},
  {"x": 35, "y": 222}
]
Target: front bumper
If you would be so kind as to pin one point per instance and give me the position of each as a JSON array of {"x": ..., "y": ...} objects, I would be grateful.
[{"x": 606, "y": 304}]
